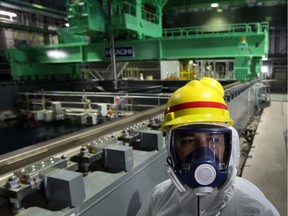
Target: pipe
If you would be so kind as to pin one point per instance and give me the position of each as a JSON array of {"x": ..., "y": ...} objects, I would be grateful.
[
  {"x": 112, "y": 48},
  {"x": 36, "y": 7}
]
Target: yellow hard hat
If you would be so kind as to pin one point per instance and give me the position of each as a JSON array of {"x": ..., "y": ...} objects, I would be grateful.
[{"x": 199, "y": 101}]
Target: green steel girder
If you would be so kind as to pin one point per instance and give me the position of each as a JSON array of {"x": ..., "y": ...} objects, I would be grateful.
[
  {"x": 86, "y": 17},
  {"x": 242, "y": 42},
  {"x": 247, "y": 68},
  {"x": 136, "y": 18},
  {"x": 142, "y": 18},
  {"x": 219, "y": 45}
]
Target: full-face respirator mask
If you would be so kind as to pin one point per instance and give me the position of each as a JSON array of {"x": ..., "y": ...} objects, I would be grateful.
[{"x": 199, "y": 156}]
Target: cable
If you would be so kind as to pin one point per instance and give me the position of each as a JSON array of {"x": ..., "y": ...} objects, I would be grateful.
[{"x": 198, "y": 205}]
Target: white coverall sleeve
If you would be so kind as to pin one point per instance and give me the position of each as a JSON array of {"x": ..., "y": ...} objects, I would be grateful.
[
  {"x": 146, "y": 208},
  {"x": 249, "y": 200},
  {"x": 155, "y": 198}
]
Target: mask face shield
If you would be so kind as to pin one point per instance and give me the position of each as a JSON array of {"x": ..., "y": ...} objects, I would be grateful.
[{"x": 205, "y": 147}]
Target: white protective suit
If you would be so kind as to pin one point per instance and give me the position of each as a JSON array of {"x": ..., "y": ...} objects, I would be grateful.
[{"x": 236, "y": 197}]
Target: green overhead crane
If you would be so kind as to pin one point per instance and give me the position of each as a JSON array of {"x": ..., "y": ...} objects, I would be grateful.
[{"x": 137, "y": 32}]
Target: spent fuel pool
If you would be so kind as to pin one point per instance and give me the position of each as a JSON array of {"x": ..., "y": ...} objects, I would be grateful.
[{"x": 21, "y": 133}]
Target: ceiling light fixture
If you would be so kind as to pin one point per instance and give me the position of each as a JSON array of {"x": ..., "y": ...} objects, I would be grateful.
[
  {"x": 6, "y": 13},
  {"x": 264, "y": 69},
  {"x": 56, "y": 54},
  {"x": 264, "y": 58},
  {"x": 214, "y": 5}
]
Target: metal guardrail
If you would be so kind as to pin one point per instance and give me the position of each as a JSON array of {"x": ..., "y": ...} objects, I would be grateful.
[
  {"x": 217, "y": 29},
  {"x": 128, "y": 8},
  {"x": 237, "y": 90}
]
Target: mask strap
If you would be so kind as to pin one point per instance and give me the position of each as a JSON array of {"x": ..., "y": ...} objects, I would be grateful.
[{"x": 175, "y": 180}]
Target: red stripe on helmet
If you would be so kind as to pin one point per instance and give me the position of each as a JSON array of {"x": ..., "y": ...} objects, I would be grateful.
[{"x": 196, "y": 104}]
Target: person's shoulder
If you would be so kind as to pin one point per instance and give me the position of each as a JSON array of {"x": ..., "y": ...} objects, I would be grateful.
[
  {"x": 247, "y": 188},
  {"x": 158, "y": 198},
  {"x": 249, "y": 199},
  {"x": 163, "y": 188}
]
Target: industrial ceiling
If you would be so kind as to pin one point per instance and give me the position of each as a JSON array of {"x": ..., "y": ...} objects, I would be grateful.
[{"x": 179, "y": 13}]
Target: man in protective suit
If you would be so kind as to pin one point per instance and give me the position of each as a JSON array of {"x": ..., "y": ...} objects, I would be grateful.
[{"x": 203, "y": 157}]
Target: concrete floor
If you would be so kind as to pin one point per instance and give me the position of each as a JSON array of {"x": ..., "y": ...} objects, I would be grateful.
[{"x": 267, "y": 165}]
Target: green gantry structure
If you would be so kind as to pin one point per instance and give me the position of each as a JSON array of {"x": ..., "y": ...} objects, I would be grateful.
[{"x": 136, "y": 26}]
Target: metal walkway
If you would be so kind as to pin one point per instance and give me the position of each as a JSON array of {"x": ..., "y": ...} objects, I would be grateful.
[{"x": 267, "y": 165}]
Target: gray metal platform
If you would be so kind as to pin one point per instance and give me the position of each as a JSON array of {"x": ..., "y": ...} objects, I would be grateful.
[
  {"x": 267, "y": 165},
  {"x": 128, "y": 190}
]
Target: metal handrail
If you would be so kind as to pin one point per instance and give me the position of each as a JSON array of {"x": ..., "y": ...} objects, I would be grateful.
[{"x": 217, "y": 29}]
